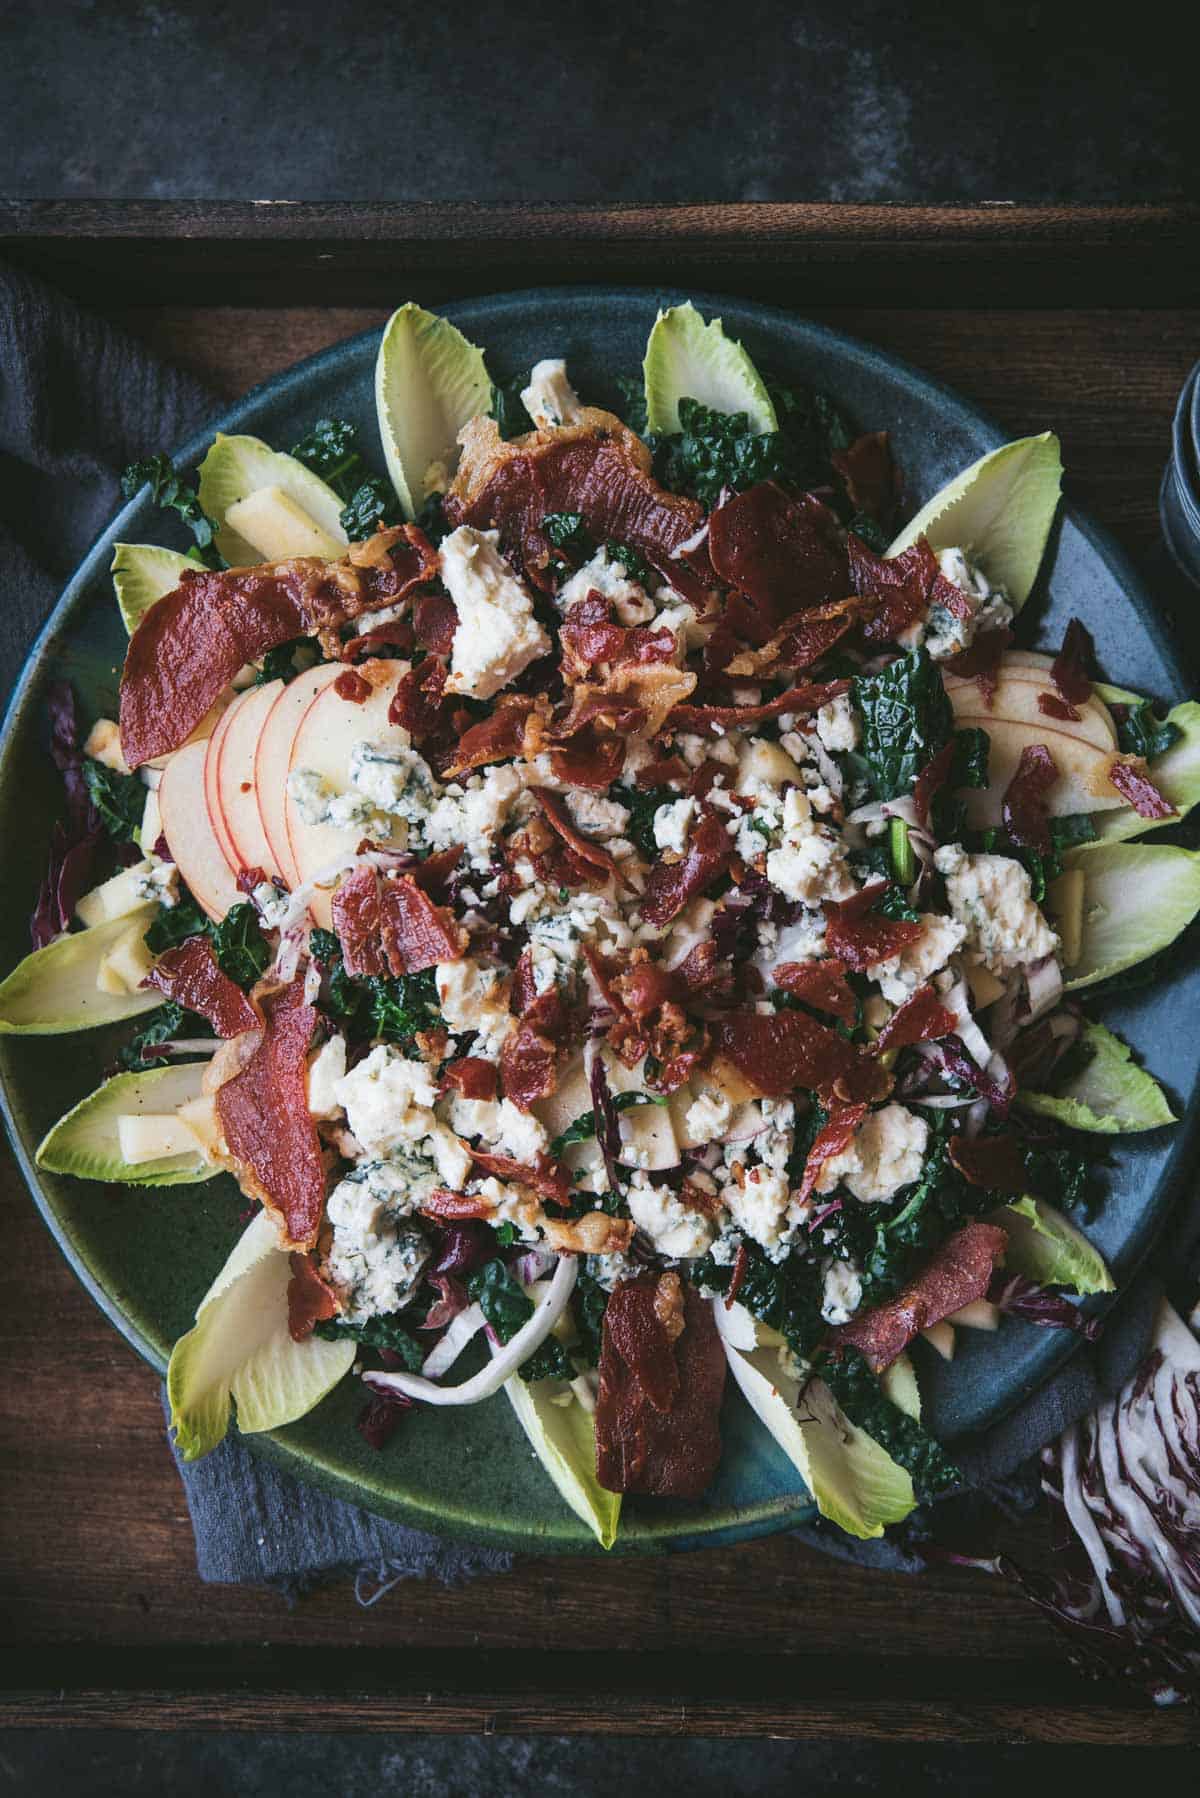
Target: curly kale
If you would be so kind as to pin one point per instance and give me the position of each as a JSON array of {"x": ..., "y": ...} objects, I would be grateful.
[{"x": 171, "y": 492}]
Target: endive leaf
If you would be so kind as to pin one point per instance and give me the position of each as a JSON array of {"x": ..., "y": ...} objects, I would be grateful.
[
  {"x": 54, "y": 989},
  {"x": 688, "y": 359},
  {"x": 142, "y": 573},
  {"x": 1137, "y": 899},
  {"x": 1045, "y": 1246},
  {"x": 1111, "y": 1094},
  {"x": 429, "y": 380},
  {"x": 236, "y": 467},
  {"x": 86, "y": 1142}
]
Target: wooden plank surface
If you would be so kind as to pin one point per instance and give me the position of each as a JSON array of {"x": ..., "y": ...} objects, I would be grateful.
[
  {"x": 337, "y": 253},
  {"x": 98, "y": 1588}
]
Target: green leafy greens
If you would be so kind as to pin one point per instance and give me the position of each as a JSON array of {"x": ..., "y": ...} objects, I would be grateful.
[
  {"x": 119, "y": 798},
  {"x": 172, "y": 493},
  {"x": 507, "y": 1306},
  {"x": 369, "y": 501},
  {"x": 907, "y": 718},
  {"x": 1140, "y": 732},
  {"x": 238, "y": 943}
]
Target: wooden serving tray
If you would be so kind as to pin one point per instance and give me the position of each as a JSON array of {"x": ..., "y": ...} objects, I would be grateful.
[{"x": 1083, "y": 319}]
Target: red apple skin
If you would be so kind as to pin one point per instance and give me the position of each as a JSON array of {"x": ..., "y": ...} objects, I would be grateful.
[
  {"x": 236, "y": 796},
  {"x": 273, "y": 758},
  {"x": 190, "y": 836},
  {"x": 212, "y": 794}
]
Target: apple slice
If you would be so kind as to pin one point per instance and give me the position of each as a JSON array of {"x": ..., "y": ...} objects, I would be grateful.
[
  {"x": 1083, "y": 783},
  {"x": 236, "y": 796},
  {"x": 271, "y": 760},
  {"x": 1017, "y": 698},
  {"x": 324, "y": 741},
  {"x": 189, "y": 832},
  {"x": 212, "y": 797}
]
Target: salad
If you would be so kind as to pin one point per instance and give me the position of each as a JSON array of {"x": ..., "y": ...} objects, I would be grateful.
[{"x": 623, "y": 912}]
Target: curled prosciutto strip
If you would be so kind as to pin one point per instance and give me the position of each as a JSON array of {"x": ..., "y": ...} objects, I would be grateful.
[
  {"x": 190, "y": 975},
  {"x": 581, "y": 847},
  {"x": 821, "y": 984},
  {"x": 1024, "y": 804},
  {"x": 670, "y": 885},
  {"x": 831, "y": 1139},
  {"x": 980, "y": 662},
  {"x": 869, "y": 472},
  {"x": 662, "y": 1376},
  {"x": 905, "y": 585},
  {"x": 921, "y": 1019},
  {"x": 544, "y": 1176},
  {"x": 496, "y": 738},
  {"x": 931, "y": 780},
  {"x": 192, "y": 642},
  {"x": 861, "y": 937},
  {"x": 528, "y": 1066},
  {"x": 470, "y": 1076},
  {"x": 960, "y": 1271},
  {"x": 1069, "y": 670},
  {"x": 590, "y": 634},
  {"x": 309, "y": 1300},
  {"x": 271, "y": 1140},
  {"x": 740, "y": 717},
  {"x": 418, "y": 704},
  {"x": 783, "y": 551},
  {"x": 803, "y": 640}
]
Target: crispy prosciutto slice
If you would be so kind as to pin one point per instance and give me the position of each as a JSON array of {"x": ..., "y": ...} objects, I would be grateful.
[
  {"x": 831, "y": 1139},
  {"x": 190, "y": 975},
  {"x": 777, "y": 1053},
  {"x": 670, "y": 885},
  {"x": 921, "y": 1019},
  {"x": 590, "y": 760},
  {"x": 1024, "y": 804},
  {"x": 545, "y": 1177},
  {"x": 740, "y": 717},
  {"x": 309, "y": 1300},
  {"x": 1135, "y": 785},
  {"x": 390, "y": 925},
  {"x": 781, "y": 550},
  {"x": 662, "y": 1376},
  {"x": 418, "y": 704},
  {"x": 992, "y": 1161},
  {"x": 191, "y": 643},
  {"x": 598, "y": 469},
  {"x": 803, "y": 640},
  {"x": 821, "y": 984},
  {"x": 906, "y": 585},
  {"x": 471, "y": 1076},
  {"x": 861, "y": 937},
  {"x": 870, "y": 475},
  {"x": 980, "y": 662},
  {"x": 496, "y": 738},
  {"x": 435, "y": 621},
  {"x": 591, "y": 634},
  {"x": 1069, "y": 670},
  {"x": 960, "y": 1271},
  {"x": 270, "y": 1139},
  {"x": 593, "y": 855},
  {"x": 931, "y": 780},
  {"x": 528, "y": 1066}
]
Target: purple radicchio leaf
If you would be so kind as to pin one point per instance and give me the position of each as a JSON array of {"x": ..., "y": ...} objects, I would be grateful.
[
  {"x": 608, "y": 1124},
  {"x": 1041, "y": 1305},
  {"x": 75, "y": 841}
]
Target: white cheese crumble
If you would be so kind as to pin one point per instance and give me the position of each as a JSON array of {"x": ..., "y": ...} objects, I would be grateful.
[
  {"x": 901, "y": 975},
  {"x": 501, "y": 1126},
  {"x": 325, "y": 1070},
  {"x": 992, "y": 897},
  {"x": 497, "y": 634},
  {"x": 394, "y": 779},
  {"x": 944, "y": 634},
  {"x": 888, "y": 1152},
  {"x": 550, "y": 399},
  {"x": 841, "y": 1290},
  {"x": 674, "y": 1230},
  {"x": 810, "y": 864},
  {"x": 708, "y": 1117},
  {"x": 672, "y": 823},
  {"x": 759, "y": 1205},
  {"x": 475, "y": 997},
  {"x": 837, "y": 724}
]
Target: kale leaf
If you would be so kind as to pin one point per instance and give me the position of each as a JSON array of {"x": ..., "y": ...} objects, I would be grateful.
[
  {"x": 119, "y": 798},
  {"x": 174, "y": 924},
  {"x": 240, "y": 947},
  {"x": 330, "y": 451},
  {"x": 641, "y": 804},
  {"x": 907, "y": 718},
  {"x": 713, "y": 450},
  {"x": 280, "y": 663},
  {"x": 588, "y": 1304},
  {"x": 1140, "y": 732},
  {"x": 506, "y": 1306},
  {"x": 858, "y": 1392},
  {"x": 1065, "y": 833},
  {"x": 162, "y": 1026},
  {"x": 172, "y": 493},
  {"x": 633, "y": 403},
  {"x": 566, "y": 531},
  {"x": 508, "y": 409},
  {"x": 378, "y": 1333},
  {"x": 403, "y": 1004}
]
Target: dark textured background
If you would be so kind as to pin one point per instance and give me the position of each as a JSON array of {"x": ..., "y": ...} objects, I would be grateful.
[{"x": 571, "y": 100}]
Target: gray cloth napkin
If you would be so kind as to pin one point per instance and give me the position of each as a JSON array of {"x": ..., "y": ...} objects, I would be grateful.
[{"x": 78, "y": 400}]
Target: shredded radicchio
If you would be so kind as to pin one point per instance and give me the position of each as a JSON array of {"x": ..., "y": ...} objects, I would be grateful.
[
  {"x": 462, "y": 1247},
  {"x": 380, "y": 1417},
  {"x": 76, "y": 839},
  {"x": 608, "y": 1123},
  {"x": 1041, "y": 1305},
  {"x": 755, "y": 901}
]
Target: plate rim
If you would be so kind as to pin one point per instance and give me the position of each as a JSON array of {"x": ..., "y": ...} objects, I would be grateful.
[{"x": 771, "y": 1516}]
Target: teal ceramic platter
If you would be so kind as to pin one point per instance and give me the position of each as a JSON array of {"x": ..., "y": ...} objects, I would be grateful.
[{"x": 148, "y": 1256}]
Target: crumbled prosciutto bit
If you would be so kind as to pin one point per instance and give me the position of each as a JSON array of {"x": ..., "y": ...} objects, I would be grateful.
[
  {"x": 661, "y": 773},
  {"x": 657, "y": 1414},
  {"x": 869, "y": 472},
  {"x": 1023, "y": 807},
  {"x": 272, "y": 1140},
  {"x": 496, "y": 738},
  {"x": 1134, "y": 784},
  {"x": 960, "y": 1271},
  {"x": 781, "y": 551},
  {"x": 397, "y": 635},
  {"x": 352, "y": 687},
  {"x": 931, "y": 780},
  {"x": 453, "y": 1207},
  {"x": 590, "y": 634},
  {"x": 993, "y": 1161},
  {"x": 803, "y": 640},
  {"x": 545, "y": 1176},
  {"x": 418, "y": 703},
  {"x": 702, "y": 973},
  {"x": 1051, "y": 706},
  {"x": 192, "y": 642},
  {"x": 980, "y": 662},
  {"x": 581, "y": 847},
  {"x": 528, "y": 1066},
  {"x": 471, "y": 1076},
  {"x": 392, "y": 925},
  {"x": 906, "y": 586},
  {"x": 594, "y": 707},
  {"x": 738, "y": 717},
  {"x": 741, "y": 1263},
  {"x": 435, "y": 621},
  {"x": 670, "y": 885},
  {"x": 831, "y": 1139},
  {"x": 590, "y": 760},
  {"x": 921, "y": 1019},
  {"x": 776, "y": 1053},
  {"x": 861, "y": 937},
  {"x": 189, "y": 974},
  {"x": 821, "y": 984},
  {"x": 865, "y": 1081},
  {"x": 1069, "y": 671},
  {"x": 309, "y": 1300}
]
